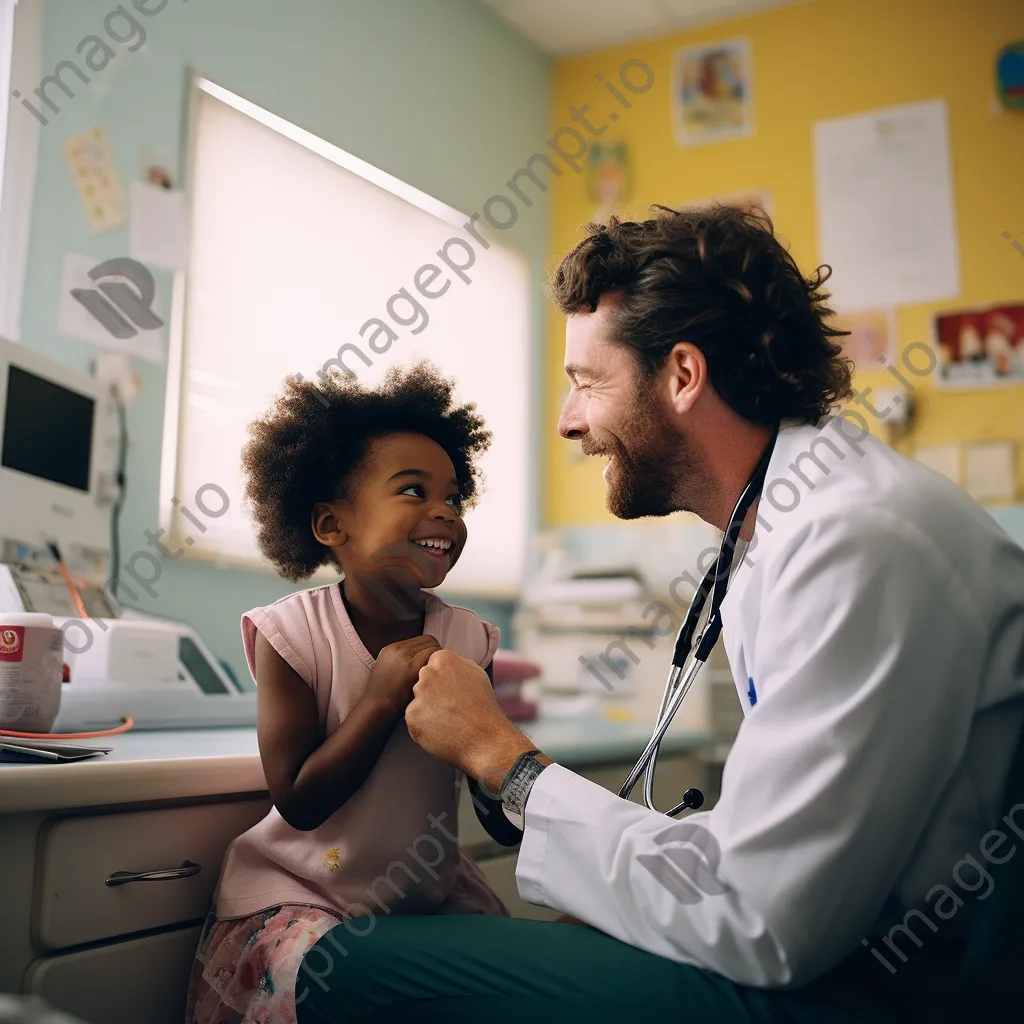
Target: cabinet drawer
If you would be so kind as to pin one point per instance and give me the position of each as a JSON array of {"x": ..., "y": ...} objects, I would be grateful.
[
  {"x": 123, "y": 983},
  {"x": 74, "y": 903}
]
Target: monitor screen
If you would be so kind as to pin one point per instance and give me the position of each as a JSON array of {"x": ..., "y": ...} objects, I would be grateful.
[{"x": 47, "y": 430}]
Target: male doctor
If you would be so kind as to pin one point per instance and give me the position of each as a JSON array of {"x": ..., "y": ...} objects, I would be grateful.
[{"x": 874, "y": 624}]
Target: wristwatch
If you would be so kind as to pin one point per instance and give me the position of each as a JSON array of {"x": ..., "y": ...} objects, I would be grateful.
[{"x": 517, "y": 785}]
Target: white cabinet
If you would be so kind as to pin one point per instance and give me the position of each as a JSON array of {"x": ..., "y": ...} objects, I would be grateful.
[
  {"x": 113, "y": 874},
  {"x": 100, "y": 918},
  {"x": 139, "y": 981}
]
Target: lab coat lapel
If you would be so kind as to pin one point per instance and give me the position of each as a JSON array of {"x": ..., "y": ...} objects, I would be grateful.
[{"x": 741, "y": 605}]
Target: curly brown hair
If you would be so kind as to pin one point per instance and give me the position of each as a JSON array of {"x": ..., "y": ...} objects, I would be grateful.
[
  {"x": 719, "y": 278},
  {"x": 305, "y": 448}
]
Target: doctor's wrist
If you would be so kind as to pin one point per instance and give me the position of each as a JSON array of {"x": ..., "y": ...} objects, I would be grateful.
[{"x": 492, "y": 762}]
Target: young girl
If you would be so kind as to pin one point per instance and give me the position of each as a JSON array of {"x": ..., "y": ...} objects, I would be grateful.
[{"x": 372, "y": 482}]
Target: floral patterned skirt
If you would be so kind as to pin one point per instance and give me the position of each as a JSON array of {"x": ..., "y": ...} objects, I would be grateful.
[{"x": 245, "y": 970}]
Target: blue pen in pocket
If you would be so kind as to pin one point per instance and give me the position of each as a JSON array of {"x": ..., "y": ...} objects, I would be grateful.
[{"x": 751, "y": 692}]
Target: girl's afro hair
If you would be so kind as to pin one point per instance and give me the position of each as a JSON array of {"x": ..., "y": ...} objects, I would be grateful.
[{"x": 306, "y": 446}]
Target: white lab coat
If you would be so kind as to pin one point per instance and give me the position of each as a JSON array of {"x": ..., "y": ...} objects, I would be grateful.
[{"x": 882, "y": 621}]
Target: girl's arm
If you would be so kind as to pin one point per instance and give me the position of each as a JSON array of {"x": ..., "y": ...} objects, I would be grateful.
[
  {"x": 488, "y": 807},
  {"x": 310, "y": 777}
]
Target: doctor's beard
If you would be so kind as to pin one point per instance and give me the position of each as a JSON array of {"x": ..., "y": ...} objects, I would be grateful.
[{"x": 653, "y": 470}]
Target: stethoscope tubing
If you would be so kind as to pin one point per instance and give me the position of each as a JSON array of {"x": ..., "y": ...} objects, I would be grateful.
[
  {"x": 684, "y": 680},
  {"x": 653, "y": 745},
  {"x": 691, "y": 652}
]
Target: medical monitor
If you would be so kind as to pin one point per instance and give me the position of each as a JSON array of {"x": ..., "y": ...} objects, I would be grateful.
[{"x": 49, "y": 453}]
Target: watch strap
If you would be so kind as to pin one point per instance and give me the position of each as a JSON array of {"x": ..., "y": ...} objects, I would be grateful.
[
  {"x": 517, "y": 786},
  {"x": 516, "y": 765}
]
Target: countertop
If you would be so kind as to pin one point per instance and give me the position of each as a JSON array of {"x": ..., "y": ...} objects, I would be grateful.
[{"x": 176, "y": 764}]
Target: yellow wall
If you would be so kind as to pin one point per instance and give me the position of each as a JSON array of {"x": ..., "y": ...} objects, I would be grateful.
[{"x": 814, "y": 60}]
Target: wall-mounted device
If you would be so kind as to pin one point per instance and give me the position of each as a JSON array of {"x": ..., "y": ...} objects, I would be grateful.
[
  {"x": 53, "y": 466},
  {"x": 50, "y": 452}
]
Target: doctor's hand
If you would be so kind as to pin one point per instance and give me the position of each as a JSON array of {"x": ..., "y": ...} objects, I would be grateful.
[{"x": 454, "y": 716}]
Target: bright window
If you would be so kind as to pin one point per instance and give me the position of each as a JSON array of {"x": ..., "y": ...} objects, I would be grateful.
[{"x": 295, "y": 245}]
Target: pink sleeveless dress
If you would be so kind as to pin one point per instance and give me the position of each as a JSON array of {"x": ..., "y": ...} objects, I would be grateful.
[{"x": 391, "y": 848}]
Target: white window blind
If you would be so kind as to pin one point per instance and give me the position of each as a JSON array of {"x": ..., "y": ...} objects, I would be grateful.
[{"x": 291, "y": 253}]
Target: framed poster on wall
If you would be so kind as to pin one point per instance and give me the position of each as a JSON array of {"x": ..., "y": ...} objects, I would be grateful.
[{"x": 712, "y": 93}]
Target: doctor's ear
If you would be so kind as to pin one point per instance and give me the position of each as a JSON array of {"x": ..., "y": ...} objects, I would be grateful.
[
  {"x": 686, "y": 374},
  {"x": 327, "y": 524}
]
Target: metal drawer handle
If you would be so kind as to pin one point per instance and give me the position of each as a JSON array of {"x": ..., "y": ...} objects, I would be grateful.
[{"x": 166, "y": 875}]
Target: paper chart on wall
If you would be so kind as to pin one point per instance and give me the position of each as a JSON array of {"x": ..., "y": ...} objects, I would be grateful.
[
  {"x": 76, "y": 320},
  {"x": 95, "y": 175},
  {"x": 158, "y": 234},
  {"x": 990, "y": 471},
  {"x": 943, "y": 458},
  {"x": 886, "y": 219}
]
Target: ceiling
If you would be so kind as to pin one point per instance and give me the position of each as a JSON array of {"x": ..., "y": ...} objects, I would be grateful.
[{"x": 561, "y": 27}]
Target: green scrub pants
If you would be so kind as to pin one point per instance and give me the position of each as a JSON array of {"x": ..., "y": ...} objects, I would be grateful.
[{"x": 498, "y": 971}]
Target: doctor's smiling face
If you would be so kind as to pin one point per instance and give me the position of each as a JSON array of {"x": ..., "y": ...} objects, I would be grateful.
[
  {"x": 634, "y": 421},
  {"x": 690, "y": 337}
]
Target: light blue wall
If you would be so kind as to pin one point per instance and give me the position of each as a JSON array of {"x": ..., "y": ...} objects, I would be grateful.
[
  {"x": 437, "y": 92},
  {"x": 1011, "y": 519}
]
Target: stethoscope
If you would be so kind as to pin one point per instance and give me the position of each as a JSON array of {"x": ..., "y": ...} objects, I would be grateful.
[{"x": 681, "y": 675}]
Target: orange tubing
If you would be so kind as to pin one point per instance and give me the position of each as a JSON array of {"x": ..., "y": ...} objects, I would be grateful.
[
  {"x": 72, "y": 589},
  {"x": 126, "y": 723}
]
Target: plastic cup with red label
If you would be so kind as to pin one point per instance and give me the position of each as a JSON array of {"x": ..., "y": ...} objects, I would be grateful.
[{"x": 31, "y": 671}]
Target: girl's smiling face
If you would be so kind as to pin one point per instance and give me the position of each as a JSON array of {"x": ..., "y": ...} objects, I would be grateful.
[{"x": 402, "y": 516}]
